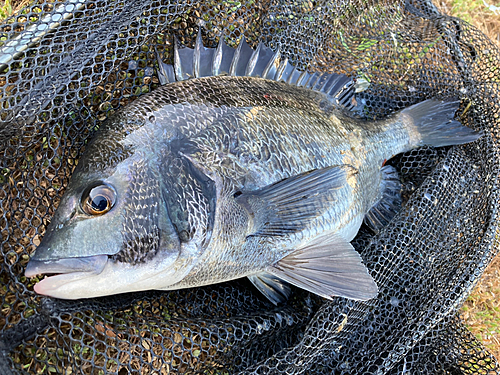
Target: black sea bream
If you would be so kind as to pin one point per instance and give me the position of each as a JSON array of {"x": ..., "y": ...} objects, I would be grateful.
[{"x": 227, "y": 175}]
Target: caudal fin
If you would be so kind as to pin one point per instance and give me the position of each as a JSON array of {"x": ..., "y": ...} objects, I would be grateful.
[{"x": 434, "y": 122}]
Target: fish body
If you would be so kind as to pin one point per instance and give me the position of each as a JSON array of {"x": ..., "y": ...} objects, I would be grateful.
[{"x": 221, "y": 177}]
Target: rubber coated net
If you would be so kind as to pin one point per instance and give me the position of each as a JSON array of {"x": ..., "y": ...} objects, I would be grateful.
[{"x": 66, "y": 66}]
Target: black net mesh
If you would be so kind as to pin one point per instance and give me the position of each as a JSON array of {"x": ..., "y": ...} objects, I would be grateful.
[{"x": 67, "y": 65}]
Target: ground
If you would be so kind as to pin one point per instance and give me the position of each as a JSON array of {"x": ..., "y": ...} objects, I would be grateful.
[{"x": 481, "y": 311}]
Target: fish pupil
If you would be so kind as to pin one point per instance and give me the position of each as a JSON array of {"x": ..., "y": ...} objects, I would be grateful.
[
  {"x": 98, "y": 199},
  {"x": 99, "y": 203}
]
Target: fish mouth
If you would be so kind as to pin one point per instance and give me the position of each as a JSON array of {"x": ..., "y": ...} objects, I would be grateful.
[{"x": 63, "y": 270}]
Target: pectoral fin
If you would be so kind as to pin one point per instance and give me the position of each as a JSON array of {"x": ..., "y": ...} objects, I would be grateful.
[
  {"x": 289, "y": 205},
  {"x": 327, "y": 266}
]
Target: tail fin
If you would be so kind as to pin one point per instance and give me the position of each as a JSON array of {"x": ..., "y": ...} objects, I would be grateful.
[{"x": 434, "y": 122}]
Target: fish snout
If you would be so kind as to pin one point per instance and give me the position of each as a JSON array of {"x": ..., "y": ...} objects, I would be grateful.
[{"x": 94, "y": 264}]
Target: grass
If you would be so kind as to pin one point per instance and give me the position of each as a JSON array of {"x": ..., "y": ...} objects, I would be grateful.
[
  {"x": 12, "y": 6},
  {"x": 481, "y": 311},
  {"x": 476, "y": 13}
]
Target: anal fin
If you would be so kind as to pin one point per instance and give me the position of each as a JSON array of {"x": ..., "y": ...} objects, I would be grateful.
[
  {"x": 327, "y": 266},
  {"x": 275, "y": 289},
  {"x": 390, "y": 200}
]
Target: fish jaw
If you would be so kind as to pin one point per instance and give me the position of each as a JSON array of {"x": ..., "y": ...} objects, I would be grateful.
[
  {"x": 105, "y": 278},
  {"x": 92, "y": 264}
]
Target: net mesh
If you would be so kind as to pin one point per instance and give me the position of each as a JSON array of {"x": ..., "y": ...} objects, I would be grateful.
[{"x": 65, "y": 66}]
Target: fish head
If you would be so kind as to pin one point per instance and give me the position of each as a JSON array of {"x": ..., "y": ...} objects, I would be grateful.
[{"x": 110, "y": 233}]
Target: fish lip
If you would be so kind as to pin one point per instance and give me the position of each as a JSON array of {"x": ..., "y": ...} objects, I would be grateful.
[
  {"x": 92, "y": 264},
  {"x": 114, "y": 278},
  {"x": 50, "y": 284}
]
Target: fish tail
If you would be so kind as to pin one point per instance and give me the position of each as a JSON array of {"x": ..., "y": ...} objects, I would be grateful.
[{"x": 433, "y": 124}]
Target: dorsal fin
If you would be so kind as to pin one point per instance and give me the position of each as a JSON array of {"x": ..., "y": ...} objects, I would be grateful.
[
  {"x": 262, "y": 62},
  {"x": 241, "y": 58},
  {"x": 200, "y": 55}
]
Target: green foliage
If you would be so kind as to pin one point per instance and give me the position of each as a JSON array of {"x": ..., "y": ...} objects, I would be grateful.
[
  {"x": 6, "y": 10},
  {"x": 466, "y": 9}
]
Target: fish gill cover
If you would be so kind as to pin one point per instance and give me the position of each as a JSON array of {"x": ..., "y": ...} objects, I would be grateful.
[{"x": 67, "y": 66}]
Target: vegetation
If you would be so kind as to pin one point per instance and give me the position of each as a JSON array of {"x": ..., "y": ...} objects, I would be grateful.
[
  {"x": 485, "y": 18},
  {"x": 11, "y": 6}
]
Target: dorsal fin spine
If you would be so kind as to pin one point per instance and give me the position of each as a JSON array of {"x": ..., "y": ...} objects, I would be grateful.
[
  {"x": 270, "y": 70},
  {"x": 290, "y": 77},
  {"x": 216, "y": 61},
  {"x": 236, "y": 57},
  {"x": 253, "y": 61},
  {"x": 196, "y": 54},
  {"x": 332, "y": 80},
  {"x": 177, "y": 61},
  {"x": 166, "y": 73},
  {"x": 302, "y": 78},
  {"x": 312, "y": 80},
  {"x": 281, "y": 69},
  {"x": 243, "y": 61}
]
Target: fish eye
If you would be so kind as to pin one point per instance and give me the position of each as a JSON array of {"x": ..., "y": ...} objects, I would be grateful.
[{"x": 98, "y": 199}]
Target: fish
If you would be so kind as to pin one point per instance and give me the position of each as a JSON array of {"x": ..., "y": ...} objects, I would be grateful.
[{"x": 239, "y": 165}]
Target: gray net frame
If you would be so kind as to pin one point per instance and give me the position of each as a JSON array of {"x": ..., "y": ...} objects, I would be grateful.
[{"x": 65, "y": 66}]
